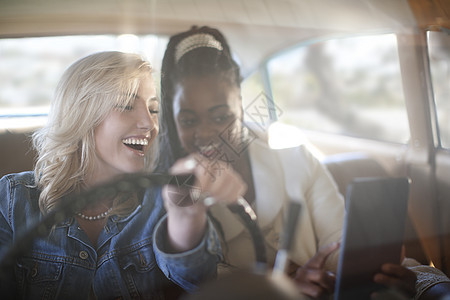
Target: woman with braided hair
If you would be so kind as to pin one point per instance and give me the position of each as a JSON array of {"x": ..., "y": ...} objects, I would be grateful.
[{"x": 202, "y": 113}]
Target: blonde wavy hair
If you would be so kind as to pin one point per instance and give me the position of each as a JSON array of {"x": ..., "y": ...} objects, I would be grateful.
[{"x": 86, "y": 93}]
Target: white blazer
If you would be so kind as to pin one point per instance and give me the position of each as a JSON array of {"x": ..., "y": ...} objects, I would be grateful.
[{"x": 281, "y": 175}]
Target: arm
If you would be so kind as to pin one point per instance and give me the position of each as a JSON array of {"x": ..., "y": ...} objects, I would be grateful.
[
  {"x": 327, "y": 208},
  {"x": 431, "y": 282},
  {"x": 188, "y": 269},
  {"x": 323, "y": 207},
  {"x": 321, "y": 223},
  {"x": 187, "y": 247},
  {"x": 436, "y": 292},
  {"x": 186, "y": 225},
  {"x": 7, "y": 284}
]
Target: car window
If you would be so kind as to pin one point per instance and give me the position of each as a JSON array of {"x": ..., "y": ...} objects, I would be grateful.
[
  {"x": 350, "y": 86},
  {"x": 31, "y": 67},
  {"x": 256, "y": 103},
  {"x": 439, "y": 57}
]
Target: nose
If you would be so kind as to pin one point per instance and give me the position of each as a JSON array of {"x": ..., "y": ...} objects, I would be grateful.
[
  {"x": 145, "y": 119},
  {"x": 205, "y": 133}
]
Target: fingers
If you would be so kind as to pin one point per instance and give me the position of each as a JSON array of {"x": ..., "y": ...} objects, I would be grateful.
[
  {"x": 318, "y": 260},
  {"x": 184, "y": 165},
  {"x": 219, "y": 180},
  {"x": 397, "y": 276},
  {"x": 398, "y": 271},
  {"x": 215, "y": 180},
  {"x": 312, "y": 279},
  {"x": 322, "y": 278},
  {"x": 227, "y": 187},
  {"x": 312, "y": 290},
  {"x": 315, "y": 282}
]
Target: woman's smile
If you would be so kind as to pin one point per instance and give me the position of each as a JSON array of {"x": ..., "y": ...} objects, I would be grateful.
[{"x": 137, "y": 144}]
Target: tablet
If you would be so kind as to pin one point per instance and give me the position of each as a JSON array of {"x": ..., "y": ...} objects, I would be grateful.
[{"x": 376, "y": 210}]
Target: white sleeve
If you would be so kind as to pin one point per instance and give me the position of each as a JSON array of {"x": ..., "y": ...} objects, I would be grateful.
[{"x": 322, "y": 206}]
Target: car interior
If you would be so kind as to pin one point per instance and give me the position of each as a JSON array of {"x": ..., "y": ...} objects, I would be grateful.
[{"x": 363, "y": 83}]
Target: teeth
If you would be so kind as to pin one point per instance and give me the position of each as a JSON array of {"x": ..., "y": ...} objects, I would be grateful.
[
  {"x": 134, "y": 141},
  {"x": 209, "y": 147}
]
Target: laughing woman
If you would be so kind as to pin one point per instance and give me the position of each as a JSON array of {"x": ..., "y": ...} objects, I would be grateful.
[{"x": 103, "y": 123}]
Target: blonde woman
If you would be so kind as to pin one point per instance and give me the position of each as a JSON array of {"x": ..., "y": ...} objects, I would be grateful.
[{"x": 104, "y": 123}]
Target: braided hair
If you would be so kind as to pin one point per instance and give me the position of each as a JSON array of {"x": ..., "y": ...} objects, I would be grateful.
[
  {"x": 187, "y": 57},
  {"x": 193, "y": 62}
]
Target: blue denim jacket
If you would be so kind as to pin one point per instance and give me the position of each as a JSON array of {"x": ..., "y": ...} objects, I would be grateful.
[{"x": 129, "y": 262}]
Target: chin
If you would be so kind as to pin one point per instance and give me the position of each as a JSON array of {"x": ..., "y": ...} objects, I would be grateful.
[{"x": 134, "y": 169}]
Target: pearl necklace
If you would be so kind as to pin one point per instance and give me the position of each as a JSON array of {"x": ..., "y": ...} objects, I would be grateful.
[{"x": 97, "y": 217}]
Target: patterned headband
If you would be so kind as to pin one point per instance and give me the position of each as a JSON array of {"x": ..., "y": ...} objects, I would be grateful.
[{"x": 196, "y": 41}]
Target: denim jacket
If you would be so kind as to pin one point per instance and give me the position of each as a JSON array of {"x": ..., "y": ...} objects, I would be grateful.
[{"x": 129, "y": 261}]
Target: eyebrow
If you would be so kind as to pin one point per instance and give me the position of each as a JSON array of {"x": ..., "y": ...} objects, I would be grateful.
[
  {"x": 218, "y": 106},
  {"x": 212, "y": 109},
  {"x": 155, "y": 98}
]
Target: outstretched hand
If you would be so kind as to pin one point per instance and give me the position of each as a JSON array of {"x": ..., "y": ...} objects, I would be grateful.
[
  {"x": 186, "y": 206},
  {"x": 312, "y": 279},
  {"x": 214, "y": 180}
]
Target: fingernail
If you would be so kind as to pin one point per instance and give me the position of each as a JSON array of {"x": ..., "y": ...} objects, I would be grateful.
[
  {"x": 334, "y": 244},
  {"x": 208, "y": 201},
  {"x": 195, "y": 194},
  {"x": 190, "y": 164}
]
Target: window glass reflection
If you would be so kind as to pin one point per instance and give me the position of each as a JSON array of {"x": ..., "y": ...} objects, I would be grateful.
[
  {"x": 31, "y": 67},
  {"x": 349, "y": 86},
  {"x": 439, "y": 54}
]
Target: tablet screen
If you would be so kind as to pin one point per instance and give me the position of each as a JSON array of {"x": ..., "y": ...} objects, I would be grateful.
[{"x": 376, "y": 210}]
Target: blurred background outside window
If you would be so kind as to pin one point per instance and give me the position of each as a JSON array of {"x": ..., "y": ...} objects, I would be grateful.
[
  {"x": 30, "y": 69},
  {"x": 350, "y": 86}
]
